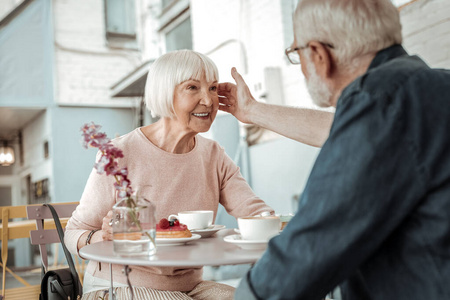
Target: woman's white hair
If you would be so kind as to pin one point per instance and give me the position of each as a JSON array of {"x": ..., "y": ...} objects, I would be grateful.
[
  {"x": 353, "y": 27},
  {"x": 168, "y": 71}
]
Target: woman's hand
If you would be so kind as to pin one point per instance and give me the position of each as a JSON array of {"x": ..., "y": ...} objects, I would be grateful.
[{"x": 107, "y": 234}]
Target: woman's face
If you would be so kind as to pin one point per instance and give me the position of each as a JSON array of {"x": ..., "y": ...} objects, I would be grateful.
[{"x": 196, "y": 103}]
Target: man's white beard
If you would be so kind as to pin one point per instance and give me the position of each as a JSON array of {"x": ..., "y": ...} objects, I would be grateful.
[{"x": 319, "y": 91}]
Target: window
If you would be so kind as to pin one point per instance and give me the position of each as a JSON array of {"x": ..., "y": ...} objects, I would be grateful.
[
  {"x": 120, "y": 18},
  {"x": 46, "y": 150},
  {"x": 180, "y": 37},
  {"x": 175, "y": 25},
  {"x": 40, "y": 192}
]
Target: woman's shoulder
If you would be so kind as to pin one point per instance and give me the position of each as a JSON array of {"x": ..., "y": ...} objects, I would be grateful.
[
  {"x": 205, "y": 144},
  {"x": 124, "y": 140},
  {"x": 130, "y": 142}
]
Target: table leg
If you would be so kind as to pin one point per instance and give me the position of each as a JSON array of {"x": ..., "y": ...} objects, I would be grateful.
[
  {"x": 112, "y": 295},
  {"x": 127, "y": 270}
]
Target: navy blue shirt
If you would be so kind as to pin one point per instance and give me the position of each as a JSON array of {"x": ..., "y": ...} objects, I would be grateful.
[{"x": 374, "y": 217}]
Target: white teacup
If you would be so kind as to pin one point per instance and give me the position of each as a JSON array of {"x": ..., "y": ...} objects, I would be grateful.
[
  {"x": 195, "y": 219},
  {"x": 259, "y": 227}
]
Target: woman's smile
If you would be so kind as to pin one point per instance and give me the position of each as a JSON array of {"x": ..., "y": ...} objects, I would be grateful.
[{"x": 202, "y": 116}]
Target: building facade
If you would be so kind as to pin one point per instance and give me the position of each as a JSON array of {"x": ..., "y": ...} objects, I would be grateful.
[{"x": 58, "y": 61}]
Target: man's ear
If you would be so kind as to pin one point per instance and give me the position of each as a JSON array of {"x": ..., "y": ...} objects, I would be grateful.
[{"x": 321, "y": 57}]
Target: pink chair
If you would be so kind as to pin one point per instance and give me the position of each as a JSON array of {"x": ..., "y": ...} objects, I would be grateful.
[{"x": 43, "y": 236}]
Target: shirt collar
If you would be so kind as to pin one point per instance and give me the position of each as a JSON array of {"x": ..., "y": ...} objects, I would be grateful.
[
  {"x": 380, "y": 58},
  {"x": 386, "y": 55}
]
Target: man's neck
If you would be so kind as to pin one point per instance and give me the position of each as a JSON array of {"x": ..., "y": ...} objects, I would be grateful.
[{"x": 346, "y": 75}]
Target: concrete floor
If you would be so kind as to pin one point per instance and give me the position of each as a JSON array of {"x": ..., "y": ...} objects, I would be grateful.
[{"x": 33, "y": 277}]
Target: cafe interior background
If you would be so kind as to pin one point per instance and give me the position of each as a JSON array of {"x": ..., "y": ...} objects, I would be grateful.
[{"x": 64, "y": 63}]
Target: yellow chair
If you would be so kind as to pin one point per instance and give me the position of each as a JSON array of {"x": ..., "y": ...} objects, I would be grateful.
[
  {"x": 10, "y": 231},
  {"x": 22, "y": 229}
]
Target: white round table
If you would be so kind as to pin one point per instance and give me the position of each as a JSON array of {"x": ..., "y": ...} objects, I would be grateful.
[{"x": 210, "y": 251}]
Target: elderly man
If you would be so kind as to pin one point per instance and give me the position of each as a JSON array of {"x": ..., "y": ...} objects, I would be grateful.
[{"x": 374, "y": 217}]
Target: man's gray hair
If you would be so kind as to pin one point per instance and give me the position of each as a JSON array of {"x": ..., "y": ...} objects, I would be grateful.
[
  {"x": 168, "y": 71},
  {"x": 353, "y": 27}
]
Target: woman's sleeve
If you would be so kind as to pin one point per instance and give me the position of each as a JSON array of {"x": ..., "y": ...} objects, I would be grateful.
[
  {"x": 96, "y": 201},
  {"x": 235, "y": 194}
]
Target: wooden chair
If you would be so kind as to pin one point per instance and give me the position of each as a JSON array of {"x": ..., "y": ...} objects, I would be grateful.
[
  {"x": 10, "y": 231},
  {"x": 43, "y": 236}
]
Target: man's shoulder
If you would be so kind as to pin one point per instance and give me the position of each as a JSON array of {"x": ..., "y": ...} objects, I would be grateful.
[
  {"x": 405, "y": 85},
  {"x": 392, "y": 75},
  {"x": 404, "y": 74}
]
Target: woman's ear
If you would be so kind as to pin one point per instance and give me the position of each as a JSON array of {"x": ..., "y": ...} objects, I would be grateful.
[{"x": 321, "y": 58}]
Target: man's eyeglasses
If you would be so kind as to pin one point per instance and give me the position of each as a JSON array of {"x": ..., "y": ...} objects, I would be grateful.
[{"x": 293, "y": 56}]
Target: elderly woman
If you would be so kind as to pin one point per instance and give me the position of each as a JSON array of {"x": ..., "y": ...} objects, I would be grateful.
[{"x": 174, "y": 167}]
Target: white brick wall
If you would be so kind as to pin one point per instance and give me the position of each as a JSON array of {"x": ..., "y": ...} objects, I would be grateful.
[
  {"x": 426, "y": 31},
  {"x": 86, "y": 67}
]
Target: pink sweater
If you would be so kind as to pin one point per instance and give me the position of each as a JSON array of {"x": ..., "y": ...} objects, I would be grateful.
[{"x": 198, "y": 180}]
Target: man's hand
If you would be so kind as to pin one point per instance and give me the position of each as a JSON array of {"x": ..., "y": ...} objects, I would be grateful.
[
  {"x": 308, "y": 126},
  {"x": 236, "y": 99}
]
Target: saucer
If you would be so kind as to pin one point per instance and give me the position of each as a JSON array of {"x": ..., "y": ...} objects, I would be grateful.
[
  {"x": 239, "y": 232},
  {"x": 207, "y": 232},
  {"x": 176, "y": 241},
  {"x": 246, "y": 244}
]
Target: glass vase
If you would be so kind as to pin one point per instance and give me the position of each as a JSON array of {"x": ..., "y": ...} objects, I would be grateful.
[{"x": 134, "y": 227}]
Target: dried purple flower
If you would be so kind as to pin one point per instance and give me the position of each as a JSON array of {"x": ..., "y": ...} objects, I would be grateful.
[
  {"x": 102, "y": 164},
  {"x": 108, "y": 161}
]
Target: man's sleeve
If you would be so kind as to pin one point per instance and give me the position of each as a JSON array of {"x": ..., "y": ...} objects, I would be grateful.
[
  {"x": 245, "y": 291},
  {"x": 364, "y": 182}
]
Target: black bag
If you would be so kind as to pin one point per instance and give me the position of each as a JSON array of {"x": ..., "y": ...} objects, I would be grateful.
[{"x": 63, "y": 283}]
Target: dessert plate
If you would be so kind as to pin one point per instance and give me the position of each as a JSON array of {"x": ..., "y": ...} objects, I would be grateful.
[
  {"x": 245, "y": 244},
  {"x": 176, "y": 241},
  {"x": 207, "y": 232}
]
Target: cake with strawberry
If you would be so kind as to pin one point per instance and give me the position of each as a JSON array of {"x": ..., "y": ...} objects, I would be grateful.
[{"x": 172, "y": 229}]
